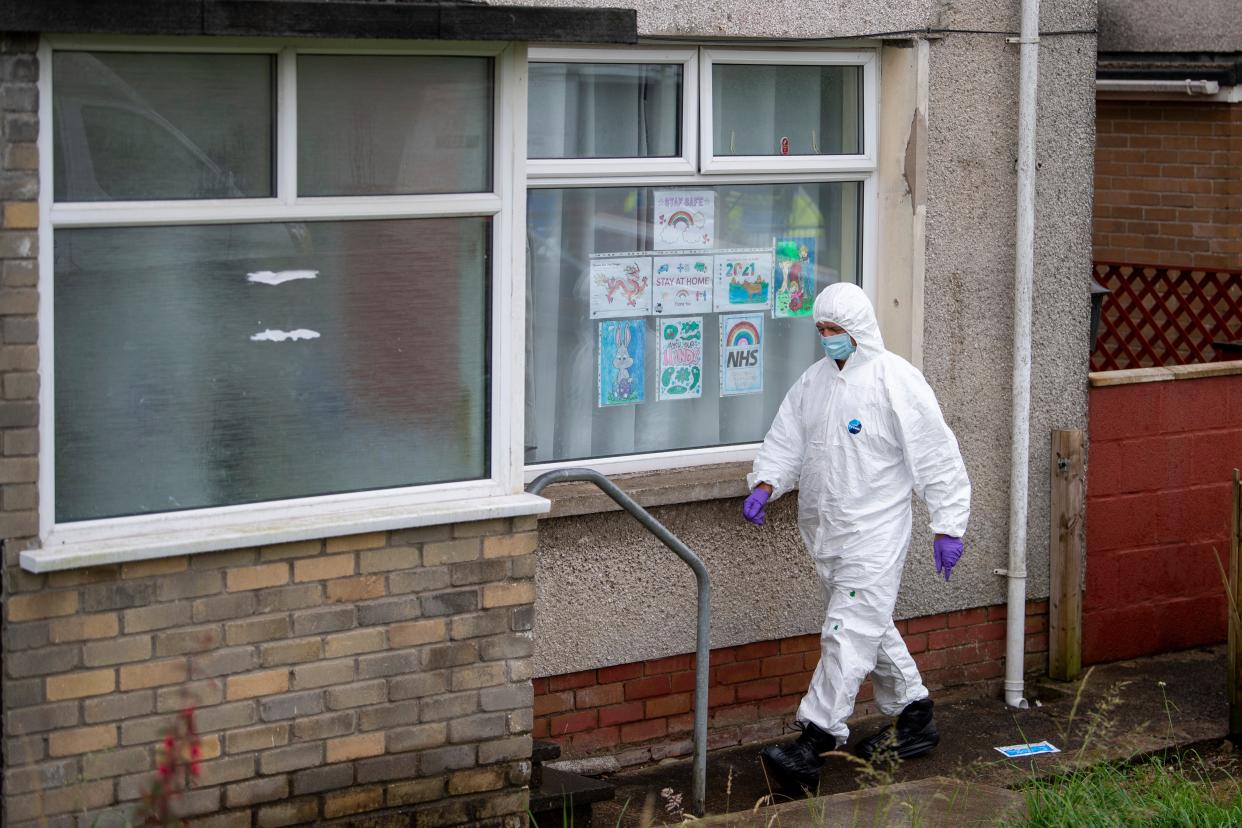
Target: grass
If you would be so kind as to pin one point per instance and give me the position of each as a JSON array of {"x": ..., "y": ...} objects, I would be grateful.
[{"x": 1158, "y": 792}]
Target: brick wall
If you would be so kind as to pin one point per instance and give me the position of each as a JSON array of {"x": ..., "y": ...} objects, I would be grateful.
[
  {"x": 330, "y": 678},
  {"x": 19, "y": 300},
  {"x": 1158, "y": 502},
  {"x": 1167, "y": 189},
  {"x": 642, "y": 712}
]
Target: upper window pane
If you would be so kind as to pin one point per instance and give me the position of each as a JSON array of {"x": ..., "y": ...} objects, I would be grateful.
[
  {"x": 223, "y": 364},
  {"x": 394, "y": 125},
  {"x": 162, "y": 126},
  {"x": 604, "y": 110},
  {"x": 792, "y": 109}
]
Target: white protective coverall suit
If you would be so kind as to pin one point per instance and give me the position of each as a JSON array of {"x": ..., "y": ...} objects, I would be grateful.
[{"x": 855, "y": 442}]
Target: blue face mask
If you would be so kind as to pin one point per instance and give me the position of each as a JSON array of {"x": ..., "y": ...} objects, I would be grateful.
[{"x": 838, "y": 346}]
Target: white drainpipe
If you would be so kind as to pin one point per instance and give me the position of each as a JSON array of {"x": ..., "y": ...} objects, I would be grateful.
[{"x": 1023, "y": 278}]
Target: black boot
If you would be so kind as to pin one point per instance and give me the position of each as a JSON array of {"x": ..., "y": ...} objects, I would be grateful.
[
  {"x": 913, "y": 735},
  {"x": 794, "y": 766}
]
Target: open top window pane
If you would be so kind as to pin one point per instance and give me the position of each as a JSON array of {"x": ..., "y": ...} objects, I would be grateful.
[
  {"x": 793, "y": 109},
  {"x": 604, "y": 110},
  {"x": 215, "y": 365},
  {"x": 131, "y": 127},
  {"x": 394, "y": 125}
]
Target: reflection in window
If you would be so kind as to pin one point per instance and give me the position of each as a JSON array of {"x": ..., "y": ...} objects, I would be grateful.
[
  {"x": 604, "y": 110},
  {"x": 221, "y": 364},
  {"x": 162, "y": 126},
  {"x": 394, "y": 125},
  {"x": 785, "y": 109}
]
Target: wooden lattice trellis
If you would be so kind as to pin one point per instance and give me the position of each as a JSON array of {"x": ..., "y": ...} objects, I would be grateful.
[{"x": 1157, "y": 315}]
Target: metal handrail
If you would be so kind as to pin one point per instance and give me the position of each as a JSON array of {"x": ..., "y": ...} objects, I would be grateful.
[{"x": 703, "y": 649}]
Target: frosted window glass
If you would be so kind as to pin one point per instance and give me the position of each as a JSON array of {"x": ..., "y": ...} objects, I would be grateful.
[
  {"x": 394, "y": 125},
  {"x": 756, "y": 107},
  {"x": 162, "y": 126},
  {"x": 604, "y": 110},
  {"x": 174, "y": 389},
  {"x": 566, "y": 226}
]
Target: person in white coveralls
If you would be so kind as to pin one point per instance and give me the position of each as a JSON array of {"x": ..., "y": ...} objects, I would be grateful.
[{"x": 856, "y": 434}]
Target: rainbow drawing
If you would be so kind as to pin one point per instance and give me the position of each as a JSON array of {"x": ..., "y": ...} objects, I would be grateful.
[
  {"x": 684, "y": 219},
  {"x": 681, "y": 219},
  {"x": 741, "y": 354},
  {"x": 743, "y": 334}
]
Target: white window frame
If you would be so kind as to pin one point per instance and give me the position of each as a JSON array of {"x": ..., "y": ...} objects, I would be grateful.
[
  {"x": 868, "y": 60},
  {"x": 113, "y": 540},
  {"x": 710, "y": 172},
  {"x": 686, "y": 162}
]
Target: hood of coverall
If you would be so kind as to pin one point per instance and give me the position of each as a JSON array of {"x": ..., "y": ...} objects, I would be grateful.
[{"x": 846, "y": 306}]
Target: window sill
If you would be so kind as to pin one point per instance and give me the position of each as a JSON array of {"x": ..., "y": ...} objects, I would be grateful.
[
  {"x": 654, "y": 488},
  {"x": 78, "y": 546}
]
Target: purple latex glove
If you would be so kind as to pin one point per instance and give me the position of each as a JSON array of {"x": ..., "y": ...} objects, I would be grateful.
[
  {"x": 752, "y": 509},
  {"x": 947, "y": 550}
]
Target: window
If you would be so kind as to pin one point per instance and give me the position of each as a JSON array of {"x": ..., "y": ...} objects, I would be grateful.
[
  {"x": 393, "y": 125},
  {"x": 285, "y": 296},
  {"x": 189, "y": 375},
  {"x": 668, "y": 314},
  {"x": 125, "y": 128},
  {"x": 612, "y": 112},
  {"x": 277, "y": 283},
  {"x": 788, "y": 111}
]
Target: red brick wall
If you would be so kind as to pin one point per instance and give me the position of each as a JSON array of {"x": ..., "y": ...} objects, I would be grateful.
[
  {"x": 1158, "y": 501},
  {"x": 1167, "y": 188},
  {"x": 643, "y": 711}
]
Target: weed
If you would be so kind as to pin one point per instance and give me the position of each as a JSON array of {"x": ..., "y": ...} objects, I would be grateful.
[{"x": 1158, "y": 792}]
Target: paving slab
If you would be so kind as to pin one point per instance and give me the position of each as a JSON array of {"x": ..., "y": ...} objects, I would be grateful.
[{"x": 1117, "y": 711}]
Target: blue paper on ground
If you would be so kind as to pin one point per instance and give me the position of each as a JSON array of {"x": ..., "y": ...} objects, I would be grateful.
[{"x": 1014, "y": 751}]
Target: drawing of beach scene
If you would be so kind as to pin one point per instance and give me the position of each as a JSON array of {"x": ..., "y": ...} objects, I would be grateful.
[
  {"x": 743, "y": 280},
  {"x": 795, "y": 276}
]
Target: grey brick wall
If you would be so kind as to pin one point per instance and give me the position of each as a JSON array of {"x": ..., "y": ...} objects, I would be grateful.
[
  {"x": 19, "y": 298},
  {"x": 325, "y": 687}
]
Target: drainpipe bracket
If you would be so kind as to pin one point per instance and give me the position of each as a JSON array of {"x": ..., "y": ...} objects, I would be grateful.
[
  {"x": 1007, "y": 574},
  {"x": 1022, "y": 40}
]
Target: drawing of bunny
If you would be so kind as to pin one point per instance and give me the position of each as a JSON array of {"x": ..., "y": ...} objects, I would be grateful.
[{"x": 623, "y": 383}]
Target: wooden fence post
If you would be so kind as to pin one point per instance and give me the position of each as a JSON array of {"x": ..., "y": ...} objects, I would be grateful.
[
  {"x": 1065, "y": 550},
  {"x": 1235, "y": 593}
]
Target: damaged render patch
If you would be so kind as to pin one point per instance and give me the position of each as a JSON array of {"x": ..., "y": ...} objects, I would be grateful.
[{"x": 915, "y": 160}]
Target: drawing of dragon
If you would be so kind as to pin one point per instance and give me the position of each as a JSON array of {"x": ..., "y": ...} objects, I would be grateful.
[{"x": 630, "y": 285}]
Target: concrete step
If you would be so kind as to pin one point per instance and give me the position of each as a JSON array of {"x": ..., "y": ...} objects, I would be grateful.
[
  {"x": 564, "y": 798},
  {"x": 541, "y": 752}
]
